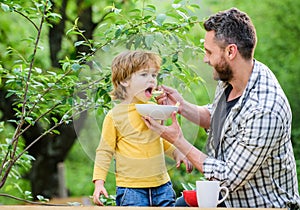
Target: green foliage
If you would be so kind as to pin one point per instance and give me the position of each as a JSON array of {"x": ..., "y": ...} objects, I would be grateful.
[
  {"x": 52, "y": 97},
  {"x": 79, "y": 170},
  {"x": 110, "y": 201},
  {"x": 55, "y": 96},
  {"x": 16, "y": 185}
]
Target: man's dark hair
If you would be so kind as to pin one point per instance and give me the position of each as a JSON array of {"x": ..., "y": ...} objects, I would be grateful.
[{"x": 233, "y": 27}]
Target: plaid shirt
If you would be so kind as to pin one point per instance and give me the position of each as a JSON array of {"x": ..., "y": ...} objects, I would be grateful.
[{"x": 255, "y": 158}]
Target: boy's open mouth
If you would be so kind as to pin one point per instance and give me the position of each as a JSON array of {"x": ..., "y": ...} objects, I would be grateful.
[{"x": 148, "y": 92}]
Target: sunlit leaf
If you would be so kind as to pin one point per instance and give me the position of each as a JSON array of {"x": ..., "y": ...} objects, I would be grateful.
[
  {"x": 42, "y": 198},
  {"x": 160, "y": 18},
  {"x": 76, "y": 44},
  {"x": 55, "y": 120},
  {"x": 176, "y": 6},
  {"x": 38, "y": 70},
  {"x": 5, "y": 7},
  {"x": 56, "y": 132},
  {"x": 184, "y": 16},
  {"x": 75, "y": 67}
]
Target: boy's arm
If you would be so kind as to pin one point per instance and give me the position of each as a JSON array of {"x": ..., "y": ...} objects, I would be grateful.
[
  {"x": 105, "y": 150},
  {"x": 169, "y": 148},
  {"x": 173, "y": 152}
]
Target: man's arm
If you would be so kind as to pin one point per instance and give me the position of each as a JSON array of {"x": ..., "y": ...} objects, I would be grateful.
[{"x": 199, "y": 115}]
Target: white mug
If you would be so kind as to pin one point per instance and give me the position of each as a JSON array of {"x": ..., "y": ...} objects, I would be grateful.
[{"x": 208, "y": 193}]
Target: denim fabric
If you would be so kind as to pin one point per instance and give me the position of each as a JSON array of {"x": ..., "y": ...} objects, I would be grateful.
[
  {"x": 181, "y": 202},
  {"x": 163, "y": 195}
]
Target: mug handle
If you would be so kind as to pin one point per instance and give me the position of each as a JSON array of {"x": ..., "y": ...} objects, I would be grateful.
[{"x": 224, "y": 197}]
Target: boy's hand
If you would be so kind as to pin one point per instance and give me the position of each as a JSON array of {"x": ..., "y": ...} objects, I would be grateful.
[
  {"x": 180, "y": 158},
  {"x": 99, "y": 190}
]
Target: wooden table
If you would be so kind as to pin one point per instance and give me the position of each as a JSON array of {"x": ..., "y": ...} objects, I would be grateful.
[{"x": 30, "y": 207}]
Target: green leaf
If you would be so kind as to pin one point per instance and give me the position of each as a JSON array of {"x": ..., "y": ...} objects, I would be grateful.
[
  {"x": 195, "y": 6},
  {"x": 65, "y": 66},
  {"x": 106, "y": 48},
  {"x": 149, "y": 39},
  {"x": 109, "y": 8},
  {"x": 29, "y": 120},
  {"x": 117, "y": 11},
  {"x": 56, "y": 132},
  {"x": 184, "y": 16},
  {"x": 75, "y": 67},
  {"x": 177, "y": 1},
  {"x": 55, "y": 120},
  {"x": 137, "y": 42},
  {"x": 160, "y": 18},
  {"x": 54, "y": 15},
  {"x": 38, "y": 70},
  {"x": 175, "y": 58},
  {"x": 150, "y": 8},
  {"x": 185, "y": 186},
  {"x": 176, "y": 6},
  {"x": 192, "y": 186},
  {"x": 27, "y": 193},
  {"x": 76, "y": 44},
  {"x": 110, "y": 201},
  {"x": 42, "y": 198},
  {"x": 9, "y": 94},
  {"x": 5, "y": 7},
  {"x": 118, "y": 33}
]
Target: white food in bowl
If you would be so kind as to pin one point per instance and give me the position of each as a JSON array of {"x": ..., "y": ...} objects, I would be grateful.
[{"x": 158, "y": 112}]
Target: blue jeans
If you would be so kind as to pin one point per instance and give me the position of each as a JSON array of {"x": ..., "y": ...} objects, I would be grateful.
[
  {"x": 181, "y": 202},
  {"x": 163, "y": 195}
]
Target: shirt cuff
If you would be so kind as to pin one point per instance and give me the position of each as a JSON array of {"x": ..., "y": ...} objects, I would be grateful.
[{"x": 213, "y": 169}]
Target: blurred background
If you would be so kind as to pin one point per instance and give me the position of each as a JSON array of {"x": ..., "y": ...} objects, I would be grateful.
[{"x": 63, "y": 160}]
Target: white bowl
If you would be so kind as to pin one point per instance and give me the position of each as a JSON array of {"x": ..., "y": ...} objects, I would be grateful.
[{"x": 158, "y": 112}]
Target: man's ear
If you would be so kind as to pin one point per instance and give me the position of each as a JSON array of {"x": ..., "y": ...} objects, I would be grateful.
[{"x": 231, "y": 51}]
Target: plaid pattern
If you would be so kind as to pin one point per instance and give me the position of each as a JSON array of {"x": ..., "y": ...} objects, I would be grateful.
[{"x": 255, "y": 159}]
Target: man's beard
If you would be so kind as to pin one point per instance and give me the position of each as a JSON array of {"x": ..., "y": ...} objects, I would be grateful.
[{"x": 223, "y": 70}]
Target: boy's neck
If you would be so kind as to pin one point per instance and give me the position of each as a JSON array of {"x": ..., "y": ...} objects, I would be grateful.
[{"x": 132, "y": 101}]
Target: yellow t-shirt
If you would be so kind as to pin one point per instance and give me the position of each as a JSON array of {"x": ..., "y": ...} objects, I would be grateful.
[{"x": 138, "y": 151}]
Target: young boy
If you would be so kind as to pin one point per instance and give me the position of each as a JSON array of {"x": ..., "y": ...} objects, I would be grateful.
[{"x": 141, "y": 174}]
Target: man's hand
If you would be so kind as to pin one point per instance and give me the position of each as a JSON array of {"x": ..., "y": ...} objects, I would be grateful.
[{"x": 170, "y": 96}]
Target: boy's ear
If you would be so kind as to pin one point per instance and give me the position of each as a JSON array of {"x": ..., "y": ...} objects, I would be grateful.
[{"x": 124, "y": 83}]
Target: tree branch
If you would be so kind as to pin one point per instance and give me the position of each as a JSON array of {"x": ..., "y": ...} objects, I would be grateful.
[{"x": 31, "y": 202}]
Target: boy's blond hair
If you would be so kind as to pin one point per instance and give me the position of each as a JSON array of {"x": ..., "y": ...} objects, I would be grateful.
[{"x": 127, "y": 63}]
